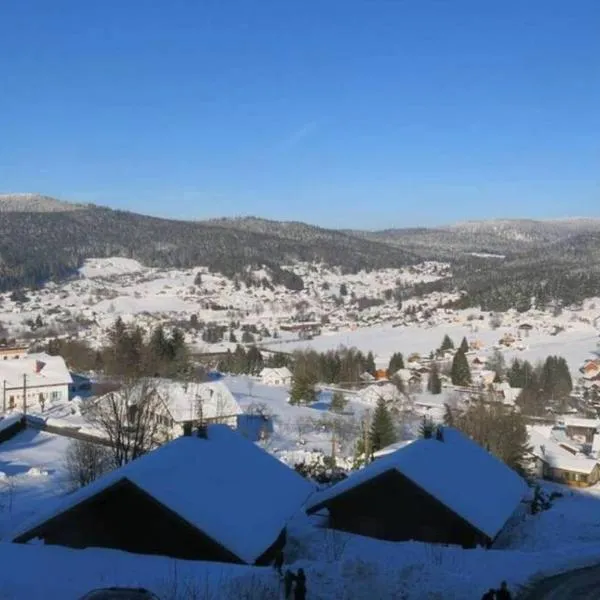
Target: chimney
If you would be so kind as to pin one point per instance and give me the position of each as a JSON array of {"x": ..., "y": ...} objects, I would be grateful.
[
  {"x": 39, "y": 365},
  {"x": 187, "y": 429},
  {"x": 202, "y": 432}
]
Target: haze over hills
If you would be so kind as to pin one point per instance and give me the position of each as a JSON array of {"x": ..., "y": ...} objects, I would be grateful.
[{"x": 43, "y": 238}]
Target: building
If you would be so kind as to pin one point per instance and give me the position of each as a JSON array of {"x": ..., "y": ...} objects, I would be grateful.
[
  {"x": 217, "y": 498},
  {"x": 12, "y": 352},
  {"x": 39, "y": 378},
  {"x": 279, "y": 376},
  {"x": 579, "y": 428},
  {"x": 448, "y": 491},
  {"x": 191, "y": 403},
  {"x": 371, "y": 394},
  {"x": 561, "y": 462}
]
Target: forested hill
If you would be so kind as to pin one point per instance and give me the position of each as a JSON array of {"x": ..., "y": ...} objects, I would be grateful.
[{"x": 42, "y": 238}]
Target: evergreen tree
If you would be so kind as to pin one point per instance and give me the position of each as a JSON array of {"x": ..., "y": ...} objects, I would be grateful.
[
  {"x": 427, "y": 428},
  {"x": 303, "y": 389},
  {"x": 448, "y": 415},
  {"x": 370, "y": 364},
  {"x": 247, "y": 337},
  {"x": 382, "y": 432},
  {"x": 232, "y": 338},
  {"x": 460, "y": 371},
  {"x": 254, "y": 360},
  {"x": 464, "y": 345},
  {"x": 338, "y": 402},
  {"x": 434, "y": 383},
  {"x": 396, "y": 363},
  {"x": 447, "y": 344},
  {"x": 343, "y": 290}
]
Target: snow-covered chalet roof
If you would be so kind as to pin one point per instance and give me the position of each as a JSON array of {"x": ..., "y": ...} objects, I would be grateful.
[
  {"x": 372, "y": 393},
  {"x": 41, "y": 370},
  {"x": 459, "y": 473},
  {"x": 579, "y": 422},
  {"x": 280, "y": 372},
  {"x": 555, "y": 456},
  {"x": 225, "y": 486}
]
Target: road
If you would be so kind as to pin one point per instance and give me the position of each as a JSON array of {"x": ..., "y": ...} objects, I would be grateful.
[{"x": 582, "y": 584}]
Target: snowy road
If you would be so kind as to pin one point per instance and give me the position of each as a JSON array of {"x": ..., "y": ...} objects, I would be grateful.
[{"x": 583, "y": 584}]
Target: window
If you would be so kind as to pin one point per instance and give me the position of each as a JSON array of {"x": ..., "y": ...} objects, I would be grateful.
[{"x": 56, "y": 395}]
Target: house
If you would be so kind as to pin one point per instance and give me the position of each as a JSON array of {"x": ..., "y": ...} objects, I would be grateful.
[
  {"x": 579, "y": 428},
  {"x": 555, "y": 462},
  {"x": 13, "y": 352},
  {"x": 216, "y": 498},
  {"x": 376, "y": 391},
  {"x": 591, "y": 369},
  {"x": 279, "y": 376},
  {"x": 505, "y": 393},
  {"x": 381, "y": 374},
  {"x": 182, "y": 403},
  {"x": 448, "y": 491},
  {"x": 32, "y": 380}
]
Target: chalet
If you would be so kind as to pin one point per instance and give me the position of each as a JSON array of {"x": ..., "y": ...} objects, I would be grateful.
[
  {"x": 32, "y": 380},
  {"x": 376, "y": 391},
  {"x": 591, "y": 369},
  {"x": 448, "y": 491},
  {"x": 279, "y": 376},
  {"x": 579, "y": 428},
  {"x": 558, "y": 462},
  {"x": 216, "y": 498},
  {"x": 505, "y": 393}
]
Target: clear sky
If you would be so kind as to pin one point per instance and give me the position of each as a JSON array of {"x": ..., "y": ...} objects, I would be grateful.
[{"x": 349, "y": 113}]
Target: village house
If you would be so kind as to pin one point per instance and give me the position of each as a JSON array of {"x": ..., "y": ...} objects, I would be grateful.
[
  {"x": 13, "y": 352},
  {"x": 579, "y": 428},
  {"x": 33, "y": 380},
  {"x": 276, "y": 376},
  {"x": 561, "y": 462},
  {"x": 217, "y": 498},
  {"x": 447, "y": 491}
]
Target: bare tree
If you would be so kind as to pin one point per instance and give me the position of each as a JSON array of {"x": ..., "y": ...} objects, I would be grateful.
[
  {"x": 131, "y": 419},
  {"x": 85, "y": 462}
]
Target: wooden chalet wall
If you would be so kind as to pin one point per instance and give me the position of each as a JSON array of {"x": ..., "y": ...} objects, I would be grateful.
[
  {"x": 391, "y": 507},
  {"x": 123, "y": 517}
]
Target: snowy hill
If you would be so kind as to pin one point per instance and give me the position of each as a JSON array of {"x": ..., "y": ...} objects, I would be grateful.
[{"x": 34, "y": 203}]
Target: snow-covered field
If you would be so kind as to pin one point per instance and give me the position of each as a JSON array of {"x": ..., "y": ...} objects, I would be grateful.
[{"x": 575, "y": 344}]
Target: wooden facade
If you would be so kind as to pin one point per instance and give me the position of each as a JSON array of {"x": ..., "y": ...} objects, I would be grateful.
[
  {"x": 124, "y": 517},
  {"x": 392, "y": 507},
  {"x": 571, "y": 478}
]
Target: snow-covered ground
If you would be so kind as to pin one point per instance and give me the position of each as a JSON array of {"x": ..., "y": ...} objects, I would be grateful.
[
  {"x": 576, "y": 343},
  {"x": 32, "y": 470}
]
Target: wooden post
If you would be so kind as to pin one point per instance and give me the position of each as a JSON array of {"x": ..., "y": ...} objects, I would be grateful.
[{"x": 4, "y": 396}]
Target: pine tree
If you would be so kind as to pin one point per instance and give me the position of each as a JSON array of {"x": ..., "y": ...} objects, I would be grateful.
[
  {"x": 303, "y": 389},
  {"x": 464, "y": 345},
  {"x": 396, "y": 363},
  {"x": 338, "y": 402},
  {"x": 254, "y": 360},
  {"x": 448, "y": 415},
  {"x": 370, "y": 364},
  {"x": 382, "y": 428},
  {"x": 434, "y": 383},
  {"x": 460, "y": 372},
  {"x": 427, "y": 428},
  {"x": 343, "y": 290},
  {"x": 447, "y": 344}
]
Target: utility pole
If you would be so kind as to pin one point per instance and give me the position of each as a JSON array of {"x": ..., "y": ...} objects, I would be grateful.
[
  {"x": 4, "y": 396},
  {"x": 24, "y": 394}
]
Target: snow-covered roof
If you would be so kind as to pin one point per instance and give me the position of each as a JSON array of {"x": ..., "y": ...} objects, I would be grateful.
[
  {"x": 557, "y": 457},
  {"x": 281, "y": 372},
  {"x": 458, "y": 472},
  {"x": 41, "y": 370},
  {"x": 391, "y": 448},
  {"x": 372, "y": 393},
  {"x": 403, "y": 374},
  {"x": 226, "y": 486},
  {"x": 181, "y": 399},
  {"x": 580, "y": 422}
]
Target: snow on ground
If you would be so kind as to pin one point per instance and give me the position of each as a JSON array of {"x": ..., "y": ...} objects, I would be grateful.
[
  {"x": 575, "y": 345},
  {"x": 33, "y": 572},
  {"x": 32, "y": 470},
  {"x": 105, "y": 267}
]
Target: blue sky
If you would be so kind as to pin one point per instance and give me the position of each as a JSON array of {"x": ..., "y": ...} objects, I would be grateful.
[{"x": 349, "y": 113}]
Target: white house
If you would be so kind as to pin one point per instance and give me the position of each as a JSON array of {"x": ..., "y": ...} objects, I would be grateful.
[
  {"x": 40, "y": 378},
  {"x": 386, "y": 391},
  {"x": 189, "y": 402},
  {"x": 279, "y": 376}
]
